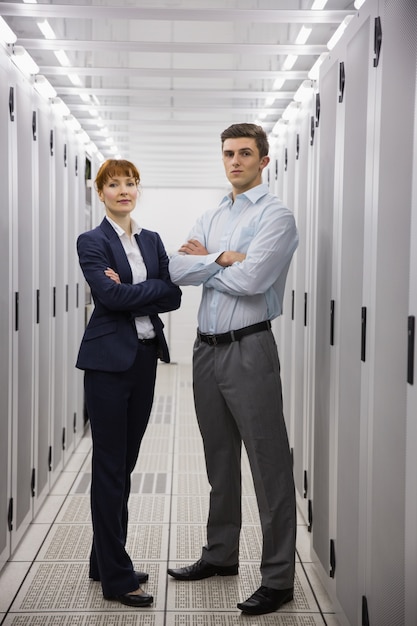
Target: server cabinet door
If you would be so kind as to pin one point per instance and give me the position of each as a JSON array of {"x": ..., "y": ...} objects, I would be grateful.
[
  {"x": 6, "y": 318},
  {"x": 60, "y": 319},
  {"x": 74, "y": 420},
  {"x": 46, "y": 269},
  {"x": 286, "y": 322},
  {"x": 23, "y": 229},
  {"x": 355, "y": 52},
  {"x": 411, "y": 436},
  {"x": 389, "y": 277},
  {"x": 323, "y": 425},
  {"x": 303, "y": 154}
]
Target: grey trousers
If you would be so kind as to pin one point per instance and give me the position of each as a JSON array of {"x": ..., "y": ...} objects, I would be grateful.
[{"x": 237, "y": 394}]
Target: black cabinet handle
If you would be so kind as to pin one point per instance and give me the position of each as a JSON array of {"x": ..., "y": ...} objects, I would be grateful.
[
  {"x": 363, "y": 334},
  {"x": 377, "y": 40},
  {"x": 332, "y": 322},
  {"x": 410, "y": 351}
]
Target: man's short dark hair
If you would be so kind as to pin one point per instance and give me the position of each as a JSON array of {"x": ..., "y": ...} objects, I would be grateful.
[{"x": 248, "y": 130}]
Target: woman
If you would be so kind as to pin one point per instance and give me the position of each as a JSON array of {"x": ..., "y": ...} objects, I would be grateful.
[{"x": 126, "y": 268}]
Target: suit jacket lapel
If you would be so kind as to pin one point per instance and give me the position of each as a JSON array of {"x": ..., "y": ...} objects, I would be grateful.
[{"x": 122, "y": 264}]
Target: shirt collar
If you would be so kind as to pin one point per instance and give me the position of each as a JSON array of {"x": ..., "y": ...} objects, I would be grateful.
[
  {"x": 119, "y": 230},
  {"x": 252, "y": 194}
]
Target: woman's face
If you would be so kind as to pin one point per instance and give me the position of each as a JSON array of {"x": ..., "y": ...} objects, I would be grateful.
[{"x": 119, "y": 195}]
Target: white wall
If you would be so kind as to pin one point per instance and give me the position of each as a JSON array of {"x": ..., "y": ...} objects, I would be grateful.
[{"x": 172, "y": 213}]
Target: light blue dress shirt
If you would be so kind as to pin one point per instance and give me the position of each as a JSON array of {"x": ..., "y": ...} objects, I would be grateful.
[{"x": 247, "y": 292}]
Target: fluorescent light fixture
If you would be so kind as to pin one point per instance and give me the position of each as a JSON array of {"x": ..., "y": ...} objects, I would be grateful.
[
  {"x": 113, "y": 150},
  {"x": 46, "y": 29},
  {"x": 98, "y": 122},
  {"x": 263, "y": 115},
  {"x": 269, "y": 101},
  {"x": 30, "y": 1},
  {"x": 60, "y": 107},
  {"x": 85, "y": 98},
  {"x": 339, "y": 32},
  {"x": 44, "y": 87},
  {"x": 358, "y": 3},
  {"x": 278, "y": 83},
  {"x": 62, "y": 57},
  {"x": 75, "y": 79},
  {"x": 314, "y": 72},
  {"x": 318, "y": 5},
  {"x": 289, "y": 61},
  {"x": 303, "y": 35},
  {"x": 6, "y": 33},
  {"x": 93, "y": 112},
  {"x": 24, "y": 61},
  {"x": 304, "y": 91}
]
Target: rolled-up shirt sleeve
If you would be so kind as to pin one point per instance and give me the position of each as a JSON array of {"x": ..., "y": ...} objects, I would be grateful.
[{"x": 189, "y": 269}]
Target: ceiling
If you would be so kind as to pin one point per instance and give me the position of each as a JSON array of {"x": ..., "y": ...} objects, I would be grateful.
[{"x": 159, "y": 80}]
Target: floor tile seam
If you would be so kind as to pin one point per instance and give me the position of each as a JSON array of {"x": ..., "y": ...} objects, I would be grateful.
[
  {"x": 175, "y": 408},
  {"x": 50, "y": 524},
  {"x": 310, "y": 585}
]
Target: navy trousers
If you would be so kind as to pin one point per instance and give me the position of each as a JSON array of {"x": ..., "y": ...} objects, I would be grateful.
[{"x": 118, "y": 406}]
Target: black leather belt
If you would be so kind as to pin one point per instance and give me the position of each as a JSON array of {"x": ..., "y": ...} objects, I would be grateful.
[
  {"x": 148, "y": 342},
  {"x": 233, "y": 335}
]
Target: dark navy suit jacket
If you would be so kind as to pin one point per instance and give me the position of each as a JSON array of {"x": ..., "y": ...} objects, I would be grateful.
[{"x": 110, "y": 339}]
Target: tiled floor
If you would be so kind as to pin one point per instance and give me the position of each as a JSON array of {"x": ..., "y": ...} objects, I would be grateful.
[{"x": 46, "y": 581}]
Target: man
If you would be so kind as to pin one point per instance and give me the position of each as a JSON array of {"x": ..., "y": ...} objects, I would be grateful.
[{"x": 240, "y": 253}]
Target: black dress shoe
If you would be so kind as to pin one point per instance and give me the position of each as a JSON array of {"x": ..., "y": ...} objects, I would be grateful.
[
  {"x": 201, "y": 570},
  {"x": 141, "y": 576},
  {"x": 133, "y": 599},
  {"x": 266, "y": 600}
]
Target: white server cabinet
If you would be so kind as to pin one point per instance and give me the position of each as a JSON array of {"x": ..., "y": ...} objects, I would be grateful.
[
  {"x": 24, "y": 230},
  {"x": 42, "y": 312},
  {"x": 321, "y": 282},
  {"x": 310, "y": 308},
  {"x": 46, "y": 299},
  {"x": 301, "y": 140},
  {"x": 387, "y": 292},
  {"x": 363, "y": 225},
  {"x": 285, "y": 164},
  {"x": 60, "y": 296},
  {"x": 74, "y": 294},
  {"x": 353, "y": 59},
  {"x": 411, "y": 436},
  {"x": 6, "y": 313}
]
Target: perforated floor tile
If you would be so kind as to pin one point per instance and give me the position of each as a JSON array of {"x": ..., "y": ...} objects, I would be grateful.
[
  {"x": 193, "y": 509},
  {"x": 72, "y": 542},
  {"x": 167, "y": 518},
  {"x": 187, "y": 540},
  {"x": 65, "y": 587},
  {"x": 222, "y": 593},
  {"x": 190, "y": 484},
  {"x": 237, "y": 619},
  {"x": 79, "y": 619}
]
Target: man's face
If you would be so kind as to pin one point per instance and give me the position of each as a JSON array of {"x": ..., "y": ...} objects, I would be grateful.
[{"x": 242, "y": 163}]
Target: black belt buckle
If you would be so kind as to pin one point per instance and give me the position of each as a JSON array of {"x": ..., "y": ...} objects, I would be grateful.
[{"x": 211, "y": 340}]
